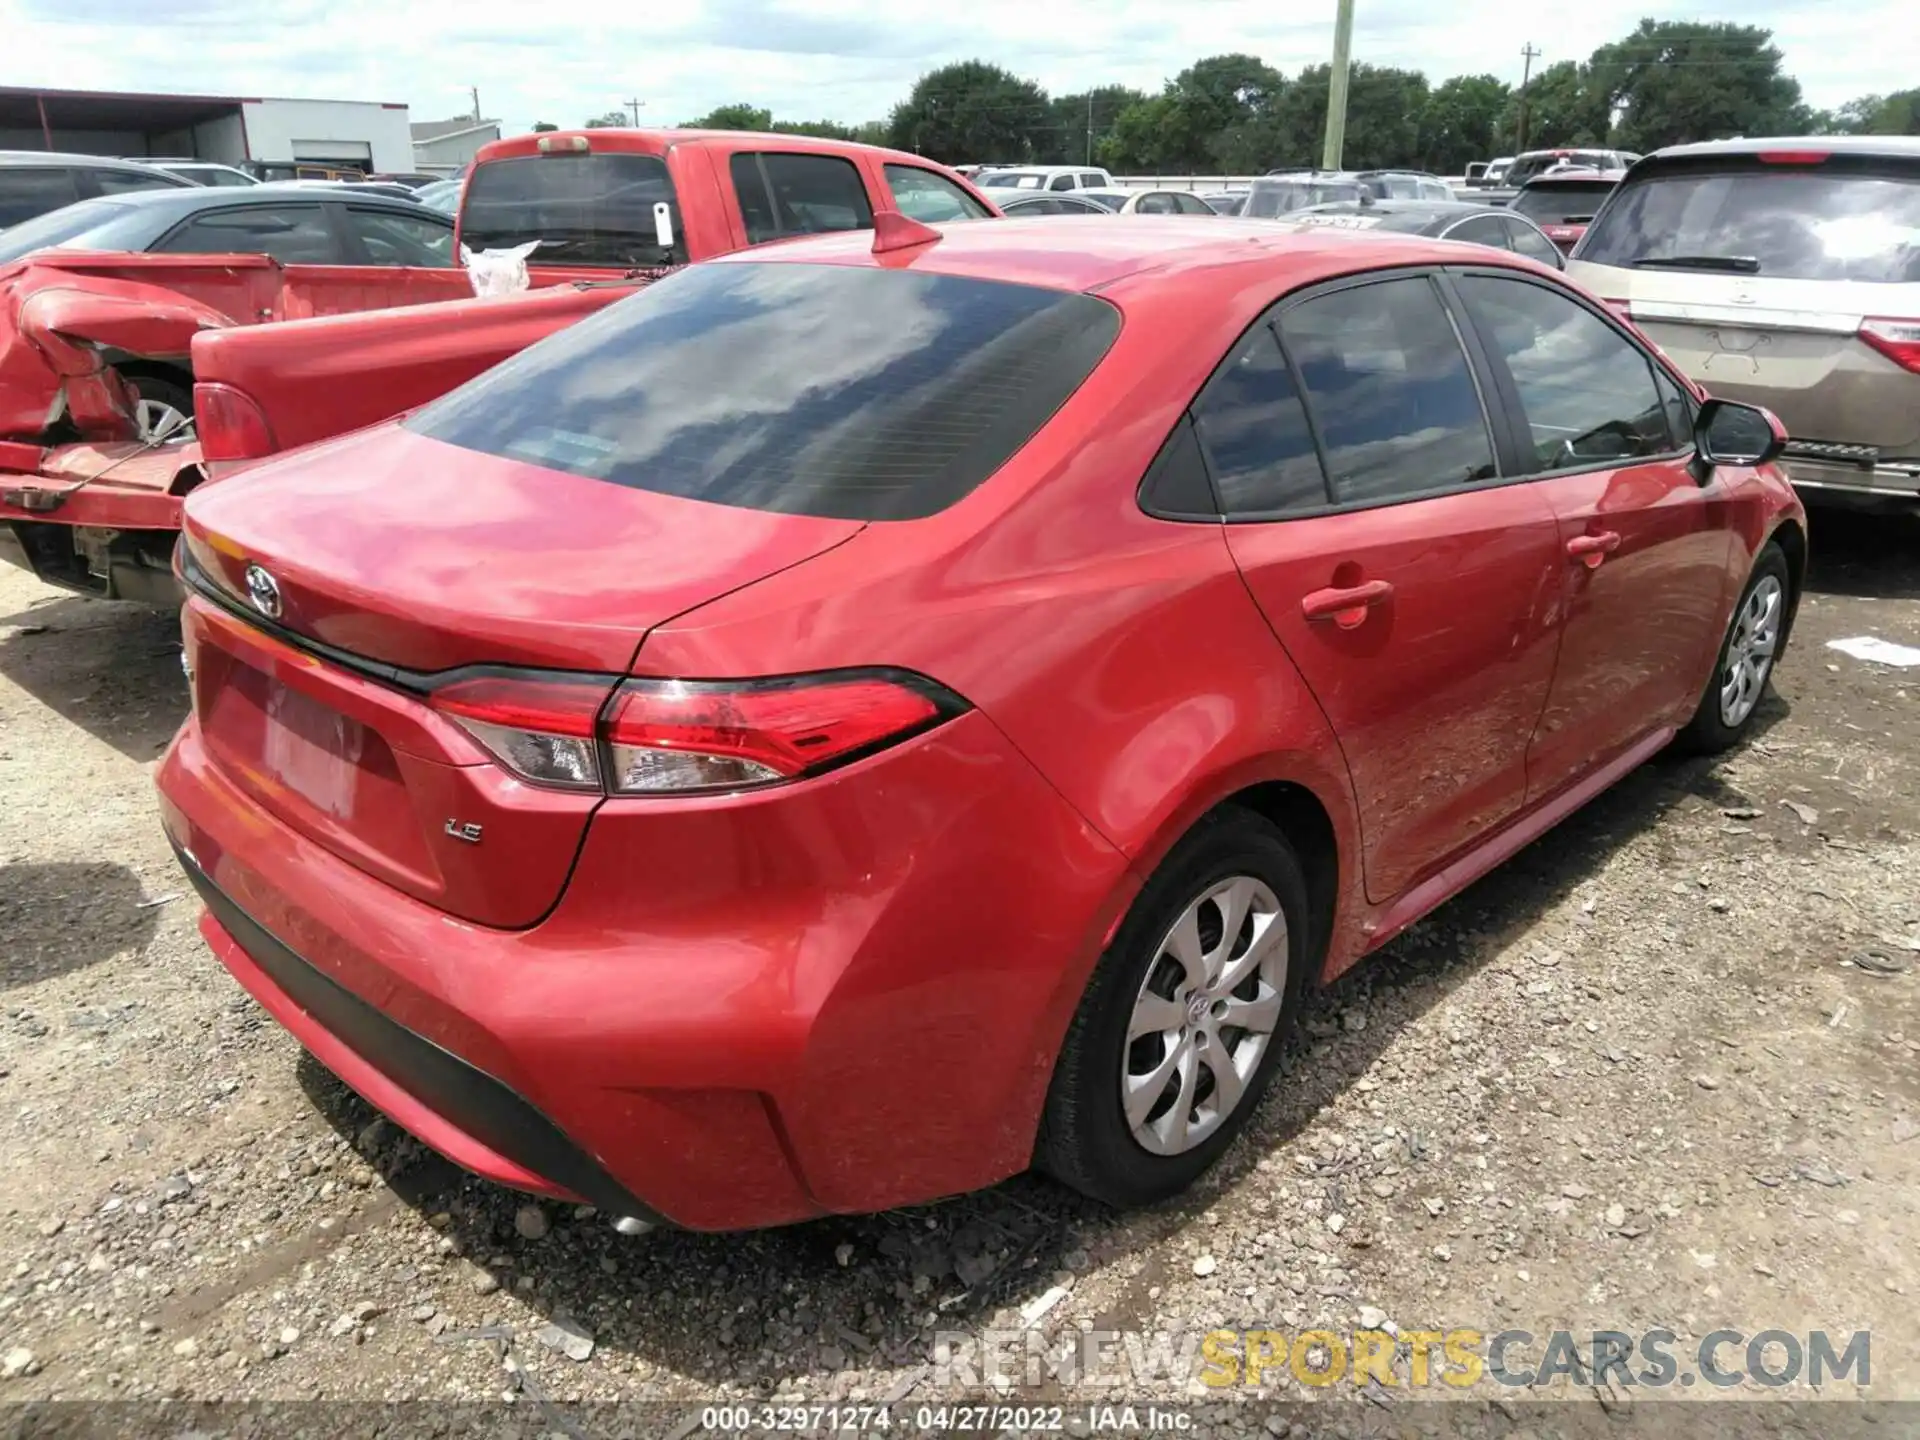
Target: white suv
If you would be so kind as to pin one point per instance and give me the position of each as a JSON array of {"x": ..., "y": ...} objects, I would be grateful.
[{"x": 1045, "y": 177}]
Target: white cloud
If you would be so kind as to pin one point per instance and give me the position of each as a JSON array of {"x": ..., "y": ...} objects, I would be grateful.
[{"x": 835, "y": 59}]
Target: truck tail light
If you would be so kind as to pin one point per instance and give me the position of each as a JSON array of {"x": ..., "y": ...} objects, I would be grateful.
[
  {"x": 1898, "y": 340},
  {"x": 229, "y": 424},
  {"x": 667, "y": 737}
]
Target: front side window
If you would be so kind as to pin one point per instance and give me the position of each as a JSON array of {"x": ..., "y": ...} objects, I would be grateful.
[
  {"x": 1481, "y": 230},
  {"x": 33, "y": 190},
  {"x": 390, "y": 238},
  {"x": 1389, "y": 388},
  {"x": 1588, "y": 392},
  {"x": 930, "y": 198},
  {"x": 846, "y": 392},
  {"x": 1061, "y": 182},
  {"x": 1190, "y": 204},
  {"x": 1528, "y": 240},
  {"x": 1255, "y": 433},
  {"x": 1159, "y": 204},
  {"x": 587, "y": 208},
  {"x": 788, "y": 194},
  {"x": 291, "y": 234}
]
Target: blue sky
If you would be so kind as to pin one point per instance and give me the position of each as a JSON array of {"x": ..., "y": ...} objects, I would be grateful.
[{"x": 836, "y": 59}]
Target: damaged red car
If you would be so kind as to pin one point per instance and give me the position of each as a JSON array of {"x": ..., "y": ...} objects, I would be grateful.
[{"x": 858, "y": 719}]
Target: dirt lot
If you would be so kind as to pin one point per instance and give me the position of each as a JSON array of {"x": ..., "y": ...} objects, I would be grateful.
[{"x": 1632, "y": 1080}]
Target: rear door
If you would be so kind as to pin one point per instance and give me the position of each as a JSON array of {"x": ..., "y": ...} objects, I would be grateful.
[
  {"x": 1770, "y": 277},
  {"x": 1413, "y": 588},
  {"x": 30, "y": 191},
  {"x": 1645, "y": 549}
]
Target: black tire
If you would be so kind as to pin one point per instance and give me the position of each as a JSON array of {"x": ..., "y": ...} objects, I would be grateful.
[
  {"x": 1709, "y": 732},
  {"x": 1085, "y": 1140}
]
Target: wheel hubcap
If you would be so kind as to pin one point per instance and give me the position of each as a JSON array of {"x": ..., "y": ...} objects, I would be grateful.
[
  {"x": 1205, "y": 1015},
  {"x": 157, "y": 420},
  {"x": 1750, "y": 650}
]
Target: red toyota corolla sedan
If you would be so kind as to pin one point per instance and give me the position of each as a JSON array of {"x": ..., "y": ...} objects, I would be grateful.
[{"x": 839, "y": 728}]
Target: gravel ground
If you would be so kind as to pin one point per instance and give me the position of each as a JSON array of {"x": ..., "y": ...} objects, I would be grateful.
[{"x": 1634, "y": 1079}]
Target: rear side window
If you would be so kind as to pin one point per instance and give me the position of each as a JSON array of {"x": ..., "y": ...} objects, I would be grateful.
[
  {"x": 782, "y": 194},
  {"x": 33, "y": 190},
  {"x": 122, "y": 182},
  {"x": 923, "y": 195},
  {"x": 1061, "y": 182},
  {"x": 89, "y": 225},
  {"x": 1091, "y": 181},
  {"x": 1562, "y": 202},
  {"x": 1588, "y": 392},
  {"x": 1844, "y": 220},
  {"x": 1155, "y": 205},
  {"x": 391, "y": 238},
  {"x": 1390, "y": 392},
  {"x": 1255, "y": 434},
  {"x": 1481, "y": 230},
  {"x": 291, "y": 234},
  {"x": 1528, "y": 241},
  {"x": 585, "y": 208},
  {"x": 827, "y": 390}
]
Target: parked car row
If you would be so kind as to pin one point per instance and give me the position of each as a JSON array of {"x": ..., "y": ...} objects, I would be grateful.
[{"x": 519, "y": 712}]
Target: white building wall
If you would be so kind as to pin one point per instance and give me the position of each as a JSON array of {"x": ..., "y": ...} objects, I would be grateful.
[{"x": 329, "y": 129}]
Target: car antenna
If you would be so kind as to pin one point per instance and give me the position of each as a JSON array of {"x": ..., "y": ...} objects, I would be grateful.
[{"x": 894, "y": 231}]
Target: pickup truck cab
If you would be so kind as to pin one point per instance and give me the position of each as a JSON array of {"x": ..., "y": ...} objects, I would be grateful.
[{"x": 603, "y": 212}]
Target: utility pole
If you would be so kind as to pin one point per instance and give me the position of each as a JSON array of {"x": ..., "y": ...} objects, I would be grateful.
[
  {"x": 1337, "y": 88},
  {"x": 1529, "y": 55},
  {"x": 634, "y": 106},
  {"x": 1089, "y": 128},
  {"x": 476, "y": 104}
]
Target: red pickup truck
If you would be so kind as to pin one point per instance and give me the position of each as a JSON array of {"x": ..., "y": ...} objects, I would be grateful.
[{"x": 611, "y": 210}]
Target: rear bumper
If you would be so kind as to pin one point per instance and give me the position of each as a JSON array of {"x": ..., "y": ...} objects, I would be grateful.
[
  {"x": 98, "y": 519},
  {"x": 1872, "y": 486},
  {"x": 743, "y": 1011}
]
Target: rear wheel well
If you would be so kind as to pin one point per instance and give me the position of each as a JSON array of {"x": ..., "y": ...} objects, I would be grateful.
[
  {"x": 181, "y": 375},
  {"x": 1301, "y": 817}
]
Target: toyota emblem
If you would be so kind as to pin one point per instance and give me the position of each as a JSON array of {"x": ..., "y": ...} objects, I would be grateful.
[{"x": 264, "y": 592}]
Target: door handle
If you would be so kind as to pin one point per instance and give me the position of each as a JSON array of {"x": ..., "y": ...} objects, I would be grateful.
[
  {"x": 1345, "y": 606},
  {"x": 1590, "y": 550}
]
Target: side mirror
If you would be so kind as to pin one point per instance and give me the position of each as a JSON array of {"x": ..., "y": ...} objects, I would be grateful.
[{"x": 1729, "y": 433}]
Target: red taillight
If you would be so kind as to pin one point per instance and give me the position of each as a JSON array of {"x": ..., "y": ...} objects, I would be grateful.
[
  {"x": 663, "y": 737},
  {"x": 229, "y": 425},
  {"x": 1793, "y": 157},
  {"x": 1898, "y": 340}
]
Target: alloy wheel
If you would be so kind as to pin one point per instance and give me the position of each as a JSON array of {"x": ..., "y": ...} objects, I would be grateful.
[
  {"x": 1207, "y": 1010},
  {"x": 155, "y": 420},
  {"x": 1751, "y": 650}
]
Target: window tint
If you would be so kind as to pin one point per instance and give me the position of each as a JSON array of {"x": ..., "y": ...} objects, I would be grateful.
[
  {"x": 1090, "y": 181},
  {"x": 1061, "y": 182},
  {"x": 1176, "y": 486},
  {"x": 34, "y": 190},
  {"x": 1562, "y": 202},
  {"x": 850, "y": 392},
  {"x": 1528, "y": 241},
  {"x": 923, "y": 195},
  {"x": 1255, "y": 433},
  {"x": 391, "y": 238},
  {"x": 1838, "y": 222},
  {"x": 89, "y": 225},
  {"x": 1587, "y": 391},
  {"x": 584, "y": 208},
  {"x": 1161, "y": 204},
  {"x": 1033, "y": 205},
  {"x": 1481, "y": 230},
  {"x": 1388, "y": 386},
  {"x": 291, "y": 234},
  {"x": 122, "y": 182},
  {"x": 798, "y": 195},
  {"x": 1190, "y": 204}
]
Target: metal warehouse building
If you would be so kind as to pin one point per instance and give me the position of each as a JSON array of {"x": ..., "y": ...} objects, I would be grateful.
[{"x": 349, "y": 134}]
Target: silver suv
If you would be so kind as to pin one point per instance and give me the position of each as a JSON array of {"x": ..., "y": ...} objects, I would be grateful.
[{"x": 1784, "y": 273}]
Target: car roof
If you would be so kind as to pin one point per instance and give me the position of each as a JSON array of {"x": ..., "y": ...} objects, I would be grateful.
[
  {"x": 205, "y": 197},
  {"x": 92, "y": 162},
  {"x": 1896, "y": 145},
  {"x": 1572, "y": 175},
  {"x": 1059, "y": 253},
  {"x": 1435, "y": 210}
]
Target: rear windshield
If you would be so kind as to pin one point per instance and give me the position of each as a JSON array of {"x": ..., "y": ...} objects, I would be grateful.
[
  {"x": 583, "y": 208},
  {"x": 1012, "y": 180},
  {"x": 1268, "y": 198},
  {"x": 89, "y": 225},
  {"x": 826, "y": 390},
  {"x": 1825, "y": 223},
  {"x": 1528, "y": 166},
  {"x": 1562, "y": 202}
]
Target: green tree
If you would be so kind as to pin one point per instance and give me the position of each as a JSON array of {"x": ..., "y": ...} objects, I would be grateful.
[
  {"x": 1895, "y": 114},
  {"x": 612, "y": 120},
  {"x": 1384, "y": 110},
  {"x": 1082, "y": 119},
  {"x": 972, "y": 112},
  {"x": 1672, "y": 81},
  {"x": 1562, "y": 107},
  {"x": 540, "y": 127},
  {"x": 734, "y": 117},
  {"x": 1461, "y": 123},
  {"x": 874, "y": 132},
  {"x": 1223, "y": 113},
  {"x": 819, "y": 129},
  {"x": 1140, "y": 141}
]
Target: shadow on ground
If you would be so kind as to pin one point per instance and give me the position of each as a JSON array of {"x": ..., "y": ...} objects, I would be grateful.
[
  {"x": 59, "y": 918},
  {"x": 1875, "y": 557},
  {"x": 113, "y": 669}
]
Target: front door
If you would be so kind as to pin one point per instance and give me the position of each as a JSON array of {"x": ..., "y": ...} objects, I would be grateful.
[
  {"x": 1412, "y": 588},
  {"x": 1646, "y": 547}
]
